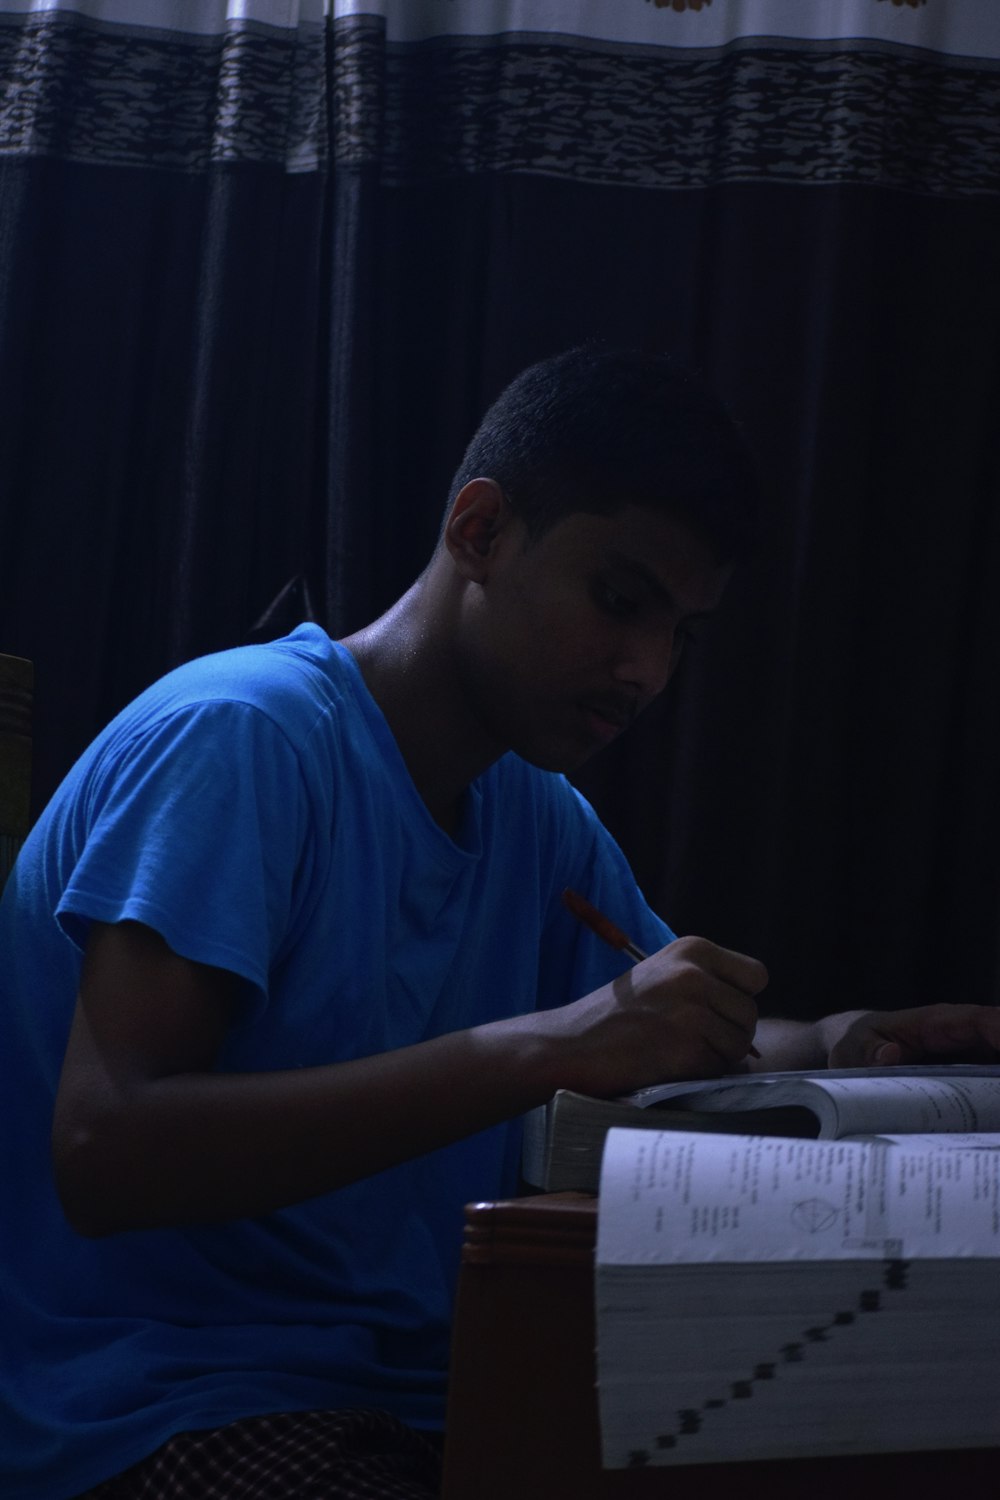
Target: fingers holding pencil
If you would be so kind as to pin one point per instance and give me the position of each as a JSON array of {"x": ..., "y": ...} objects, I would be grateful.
[{"x": 736, "y": 971}]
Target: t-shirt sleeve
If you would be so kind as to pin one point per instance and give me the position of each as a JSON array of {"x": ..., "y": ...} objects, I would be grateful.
[{"x": 197, "y": 827}]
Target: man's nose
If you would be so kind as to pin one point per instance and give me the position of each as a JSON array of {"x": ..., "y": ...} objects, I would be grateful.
[{"x": 647, "y": 661}]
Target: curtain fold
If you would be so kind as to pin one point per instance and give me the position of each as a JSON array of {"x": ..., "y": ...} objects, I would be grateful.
[
  {"x": 163, "y": 197},
  {"x": 261, "y": 271}
]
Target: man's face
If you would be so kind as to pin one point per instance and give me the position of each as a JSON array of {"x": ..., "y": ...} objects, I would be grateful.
[{"x": 567, "y": 638}]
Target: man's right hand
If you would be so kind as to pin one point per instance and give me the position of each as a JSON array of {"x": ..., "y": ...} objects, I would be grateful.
[{"x": 687, "y": 1011}]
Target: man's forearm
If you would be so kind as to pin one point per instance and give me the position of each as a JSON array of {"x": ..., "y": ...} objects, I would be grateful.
[
  {"x": 204, "y": 1147},
  {"x": 786, "y": 1045},
  {"x": 148, "y": 1134},
  {"x": 805, "y": 1045}
]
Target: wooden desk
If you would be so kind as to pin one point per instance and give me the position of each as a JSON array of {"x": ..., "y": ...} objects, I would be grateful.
[{"x": 522, "y": 1415}]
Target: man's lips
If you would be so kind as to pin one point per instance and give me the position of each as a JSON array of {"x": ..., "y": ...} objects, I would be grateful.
[{"x": 609, "y": 716}]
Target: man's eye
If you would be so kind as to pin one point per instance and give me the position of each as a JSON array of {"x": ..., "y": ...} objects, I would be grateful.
[{"x": 614, "y": 602}]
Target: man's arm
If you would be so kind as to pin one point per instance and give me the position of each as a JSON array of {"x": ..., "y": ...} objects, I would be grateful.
[
  {"x": 883, "y": 1039},
  {"x": 146, "y": 1134},
  {"x": 785, "y": 1045}
]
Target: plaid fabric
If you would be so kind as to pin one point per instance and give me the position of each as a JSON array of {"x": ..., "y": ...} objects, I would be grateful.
[{"x": 311, "y": 1455}]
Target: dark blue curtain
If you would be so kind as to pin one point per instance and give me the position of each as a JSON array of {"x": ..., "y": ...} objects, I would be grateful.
[
  {"x": 163, "y": 197},
  {"x": 258, "y": 282}
]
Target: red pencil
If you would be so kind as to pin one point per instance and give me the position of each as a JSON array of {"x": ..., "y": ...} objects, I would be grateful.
[{"x": 602, "y": 925}]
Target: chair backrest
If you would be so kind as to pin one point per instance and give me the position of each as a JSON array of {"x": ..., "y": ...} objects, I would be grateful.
[{"x": 17, "y": 679}]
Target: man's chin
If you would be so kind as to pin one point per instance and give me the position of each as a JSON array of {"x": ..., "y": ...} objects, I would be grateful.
[
  {"x": 570, "y": 745},
  {"x": 563, "y": 759}
]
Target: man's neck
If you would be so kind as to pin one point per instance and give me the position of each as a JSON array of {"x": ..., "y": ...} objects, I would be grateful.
[{"x": 407, "y": 667}]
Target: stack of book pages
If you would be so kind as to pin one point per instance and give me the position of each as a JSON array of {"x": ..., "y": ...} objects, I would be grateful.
[{"x": 771, "y": 1297}]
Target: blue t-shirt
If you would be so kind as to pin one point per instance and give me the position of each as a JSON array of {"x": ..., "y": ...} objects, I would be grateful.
[{"x": 253, "y": 807}]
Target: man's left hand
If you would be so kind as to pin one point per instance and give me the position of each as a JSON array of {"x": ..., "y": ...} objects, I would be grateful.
[{"x": 925, "y": 1034}]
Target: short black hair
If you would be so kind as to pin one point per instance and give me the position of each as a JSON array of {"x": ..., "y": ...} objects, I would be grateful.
[{"x": 595, "y": 429}]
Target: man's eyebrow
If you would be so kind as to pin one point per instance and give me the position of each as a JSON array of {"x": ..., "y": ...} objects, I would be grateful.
[
  {"x": 655, "y": 585},
  {"x": 633, "y": 565}
]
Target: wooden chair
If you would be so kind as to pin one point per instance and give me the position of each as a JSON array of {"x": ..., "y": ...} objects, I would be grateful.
[{"x": 16, "y": 695}]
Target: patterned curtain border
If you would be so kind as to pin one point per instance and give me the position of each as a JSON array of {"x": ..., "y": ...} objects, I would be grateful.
[
  {"x": 87, "y": 90},
  {"x": 184, "y": 17},
  {"x": 649, "y": 117},
  {"x": 84, "y": 89}
]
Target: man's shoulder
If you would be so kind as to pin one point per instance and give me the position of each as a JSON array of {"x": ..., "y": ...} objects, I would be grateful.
[
  {"x": 292, "y": 681},
  {"x": 274, "y": 705}
]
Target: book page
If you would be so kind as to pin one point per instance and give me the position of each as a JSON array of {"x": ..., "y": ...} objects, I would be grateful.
[
  {"x": 917, "y": 1103},
  {"x": 855, "y": 1101},
  {"x": 654, "y": 1092},
  {"x": 952, "y": 1141},
  {"x": 679, "y": 1197}
]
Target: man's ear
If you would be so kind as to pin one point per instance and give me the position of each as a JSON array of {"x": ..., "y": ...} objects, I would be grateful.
[{"x": 477, "y": 517}]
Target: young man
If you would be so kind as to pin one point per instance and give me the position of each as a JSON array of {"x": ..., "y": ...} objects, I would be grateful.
[{"x": 285, "y": 960}]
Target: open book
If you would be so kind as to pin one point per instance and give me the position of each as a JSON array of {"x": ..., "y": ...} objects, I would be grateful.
[
  {"x": 563, "y": 1140},
  {"x": 760, "y": 1297}
]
